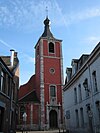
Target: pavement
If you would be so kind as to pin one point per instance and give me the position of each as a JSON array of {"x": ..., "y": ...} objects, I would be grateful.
[{"x": 50, "y": 131}]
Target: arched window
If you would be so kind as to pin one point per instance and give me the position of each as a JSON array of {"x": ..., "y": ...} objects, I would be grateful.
[
  {"x": 77, "y": 118},
  {"x": 51, "y": 47},
  {"x": 75, "y": 95},
  {"x": 80, "y": 93},
  {"x": 52, "y": 91},
  {"x": 94, "y": 77}
]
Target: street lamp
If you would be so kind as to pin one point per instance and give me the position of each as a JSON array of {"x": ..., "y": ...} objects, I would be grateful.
[
  {"x": 89, "y": 111},
  {"x": 85, "y": 84}
]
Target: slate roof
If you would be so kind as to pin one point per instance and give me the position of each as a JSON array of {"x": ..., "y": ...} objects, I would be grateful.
[
  {"x": 31, "y": 97},
  {"x": 5, "y": 66},
  {"x": 27, "y": 88},
  {"x": 6, "y": 60},
  {"x": 27, "y": 92},
  {"x": 47, "y": 32}
]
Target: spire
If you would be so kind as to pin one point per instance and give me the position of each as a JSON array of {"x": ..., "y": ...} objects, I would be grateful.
[
  {"x": 47, "y": 32},
  {"x": 46, "y": 12}
]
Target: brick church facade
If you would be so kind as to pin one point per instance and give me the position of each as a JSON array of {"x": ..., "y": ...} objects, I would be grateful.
[{"x": 42, "y": 97}]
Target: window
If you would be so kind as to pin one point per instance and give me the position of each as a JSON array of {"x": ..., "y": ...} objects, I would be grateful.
[
  {"x": 77, "y": 118},
  {"x": 3, "y": 81},
  {"x": 52, "y": 70},
  {"x": 98, "y": 111},
  {"x": 1, "y": 118},
  {"x": 80, "y": 93},
  {"x": 89, "y": 111},
  {"x": 9, "y": 86},
  {"x": 51, "y": 47},
  {"x": 75, "y": 95},
  {"x": 94, "y": 81},
  {"x": 13, "y": 91},
  {"x": 12, "y": 119},
  {"x": 82, "y": 117},
  {"x": 52, "y": 91}
]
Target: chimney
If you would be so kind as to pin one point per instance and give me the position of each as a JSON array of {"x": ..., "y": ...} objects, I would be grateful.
[
  {"x": 12, "y": 58},
  {"x": 15, "y": 54}
]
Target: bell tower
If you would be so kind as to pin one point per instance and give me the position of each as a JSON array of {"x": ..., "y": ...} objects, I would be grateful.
[{"x": 49, "y": 78}]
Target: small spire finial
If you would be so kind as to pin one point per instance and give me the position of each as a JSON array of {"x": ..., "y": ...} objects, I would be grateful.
[{"x": 46, "y": 12}]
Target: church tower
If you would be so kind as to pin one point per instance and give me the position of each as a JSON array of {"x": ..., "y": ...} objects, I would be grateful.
[{"x": 49, "y": 78}]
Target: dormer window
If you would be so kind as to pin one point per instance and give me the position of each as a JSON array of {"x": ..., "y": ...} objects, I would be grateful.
[{"x": 51, "y": 47}]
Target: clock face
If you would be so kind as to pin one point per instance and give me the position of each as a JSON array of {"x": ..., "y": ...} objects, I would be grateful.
[{"x": 52, "y": 70}]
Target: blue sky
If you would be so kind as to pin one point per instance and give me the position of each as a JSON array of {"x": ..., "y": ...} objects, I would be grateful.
[{"x": 76, "y": 22}]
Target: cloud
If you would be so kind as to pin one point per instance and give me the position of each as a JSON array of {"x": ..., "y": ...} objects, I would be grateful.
[
  {"x": 74, "y": 17},
  {"x": 93, "y": 40},
  {"x": 27, "y": 14},
  {"x": 5, "y": 44},
  {"x": 67, "y": 19},
  {"x": 21, "y": 14},
  {"x": 85, "y": 14},
  {"x": 22, "y": 54},
  {"x": 27, "y": 57}
]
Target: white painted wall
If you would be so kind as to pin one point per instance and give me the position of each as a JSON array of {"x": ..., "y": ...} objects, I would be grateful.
[{"x": 69, "y": 101}]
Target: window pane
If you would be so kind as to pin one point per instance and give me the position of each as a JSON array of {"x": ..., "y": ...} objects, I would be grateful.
[
  {"x": 94, "y": 81},
  {"x": 75, "y": 95},
  {"x": 80, "y": 93},
  {"x": 3, "y": 81},
  {"x": 9, "y": 86},
  {"x": 51, "y": 47},
  {"x": 52, "y": 91}
]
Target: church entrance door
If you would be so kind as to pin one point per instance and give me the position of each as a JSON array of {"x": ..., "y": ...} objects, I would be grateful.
[{"x": 53, "y": 119}]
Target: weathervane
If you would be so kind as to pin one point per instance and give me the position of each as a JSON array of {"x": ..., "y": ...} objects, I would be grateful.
[{"x": 46, "y": 12}]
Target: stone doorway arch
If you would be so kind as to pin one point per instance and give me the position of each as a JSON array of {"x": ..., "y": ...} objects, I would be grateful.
[{"x": 53, "y": 119}]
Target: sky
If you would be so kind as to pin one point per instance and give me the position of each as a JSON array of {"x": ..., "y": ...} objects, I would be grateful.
[{"x": 76, "y": 22}]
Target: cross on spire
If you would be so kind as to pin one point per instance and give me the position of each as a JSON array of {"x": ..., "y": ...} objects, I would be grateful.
[{"x": 46, "y": 12}]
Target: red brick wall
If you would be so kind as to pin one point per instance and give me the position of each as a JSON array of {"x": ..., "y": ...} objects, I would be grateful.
[
  {"x": 35, "y": 113},
  {"x": 52, "y": 61},
  {"x": 52, "y": 78},
  {"x": 26, "y": 88},
  {"x": 49, "y": 61}
]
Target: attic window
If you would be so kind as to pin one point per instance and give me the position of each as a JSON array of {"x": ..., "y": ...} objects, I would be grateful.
[{"x": 51, "y": 47}]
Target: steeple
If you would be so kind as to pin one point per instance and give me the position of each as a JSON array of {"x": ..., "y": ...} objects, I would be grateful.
[{"x": 47, "y": 32}]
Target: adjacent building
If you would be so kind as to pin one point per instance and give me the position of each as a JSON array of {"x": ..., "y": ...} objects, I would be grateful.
[
  {"x": 45, "y": 109},
  {"x": 9, "y": 83},
  {"x": 29, "y": 104},
  {"x": 82, "y": 94}
]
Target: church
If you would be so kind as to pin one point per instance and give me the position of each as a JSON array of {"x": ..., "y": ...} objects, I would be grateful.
[{"x": 41, "y": 98}]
